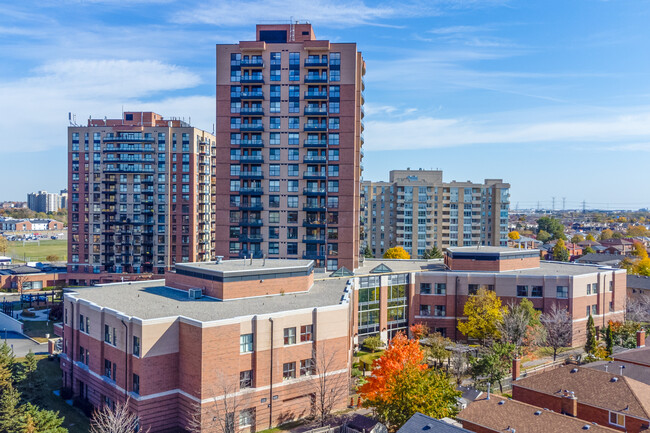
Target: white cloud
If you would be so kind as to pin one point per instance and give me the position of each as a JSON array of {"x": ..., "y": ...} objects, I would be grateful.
[
  {"x": 38, "y": 106},
  {"x": 429, "y": 132}
]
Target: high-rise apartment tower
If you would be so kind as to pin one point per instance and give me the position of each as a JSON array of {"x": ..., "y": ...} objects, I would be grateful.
[
  {"x": 289, "y": 110},
  {"x": 416, "y": 210},
  {"x": 139, "y": 194}
]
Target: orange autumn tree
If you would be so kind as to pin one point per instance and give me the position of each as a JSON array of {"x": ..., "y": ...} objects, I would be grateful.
[{"x": 401, "y": 384}]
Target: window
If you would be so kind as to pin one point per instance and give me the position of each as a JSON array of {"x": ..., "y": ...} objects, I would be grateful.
[
  {"x": 562, "y": 292},
  {"x": 333, "y": 154},
  {"x": 246, "y": 417},
  {"x": 333, "y": 123},
  {"x": 335, "y": 59},
  {"x": 246, "y": 379},
  {"x": 292, "y": 202},
  {"x": 292, "y": 247},
  {"x": 274, "y": 91},
  {"x": 136, "y": 346},
  {"x": 274, "y": 154},
  {"x": 110, "y": 369},
  {"x": 588, "y": 310},
  {"x": 594, "y": 309},
  {"x": 441, "y": 288},
  {"x": 82, "y": 323},
  {"x": 617, "y": 419},
  {"x": 274, "y": 138},
  {"x": 245, "y": 343},
  {"x": 109, "y": 335},
  {"x": 292, "y": 186},
  {"x": 274, "y": 170},
  {"x": 294, "y": 107},
  {"x": 522, "y": 291},
  {"x": 474, "y": 288},
  {"x": 274, "y": 123},
  {"x": 425, "y": 288},
  {"x": 274, "y": 186},
  {"x": 588, "y": 289},
  {"x": 335, "y": 75},
  {"x": 425, "y": 310},
  {"x": 306, "y": 333},
  {"x": 294, "y": 155},
  {"x": 294, "y": 122},
  {"x": 136, "y": 383},
  {"x": 289, "y": 336},
  {"x": 275, "y": 75},
  {"x": 289, "y": 370},
  {"x": 536, "y": 292},
  {"x": 307, "y": 367},
  {"x": 274, "y": 107},
  {"x": 334, "y": 139},
  {"x": 440, "y": 311}
]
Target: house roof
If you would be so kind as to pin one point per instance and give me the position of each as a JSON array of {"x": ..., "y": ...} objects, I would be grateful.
[
  {"x": 21, "y": 270},
  {"x": 500, "y": 415},
  {"x": 640, "y": 355},
  {"x": 600, "y": 258},
  {"x": 362, "y": 423},
  {"x": 594, "y": 388},
  {"x": 638, "y": 282},
  {"x": 420, "y": 423},
  {"x": 633, "y": 371}
]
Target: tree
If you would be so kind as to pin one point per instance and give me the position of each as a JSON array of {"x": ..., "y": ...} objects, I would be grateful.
[
  {"x": 590, "y": 237},
  {"x": 433, "y": 253},
  {"x": 617, "y": 235},
  {"x": 458, "y": 363},
  {"x": 484, "y": 312},
  {"x": 609, "y": 340},
  {"x": 221, "y": 413},
  {"x": 543, "y": 236},
  {"x": 637, "y": 231},
  {"x": 591, "y": 345},
  {"x": 367, "y": 252},
  {"x": 639, "y": 250},
  {"x": 31, "y": 377},
  {"x": 559, "y": 327},
  {"x": 560, "y": 252},
  {"x": 396, "y": 253},
  {"x": 577, "y": 238},
  {"x": 494, "y": 364},
  {"x": 638, "y": 309},
  {"x": 114, "y": 420},
  {"x": 401, "y": 384},
  {"x": 328, "y": 387},
  {"x": 551, "y": 225},
  {"x": 419, "y": 331},
  {"x": 520, "y": 325},
  {"x": 52, "y": 258},
  {"x": 34, "y": 419},
  {"x": 606, "y": 234},
  {"x": 4, "y": 245},
  {"x": 514, "y": 235},
  {"x": 588, "y": 250},
  {"x": 372, "y": 343},
  {"x": 436, "y": 347}
]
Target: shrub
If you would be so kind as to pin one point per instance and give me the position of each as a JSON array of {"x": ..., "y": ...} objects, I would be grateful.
[
  {"x": 372, "y": 343},
  {"x": 56, "y": 312},
  {"x": 27, "y": 313}
]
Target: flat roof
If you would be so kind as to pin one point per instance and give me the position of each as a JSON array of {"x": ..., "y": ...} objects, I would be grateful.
[
  {"x": 152, "y": 300},
  {"x": 400, "y": 265},
  {"x": 491, "y": 251},
  {"x": 247, "y": 266}
]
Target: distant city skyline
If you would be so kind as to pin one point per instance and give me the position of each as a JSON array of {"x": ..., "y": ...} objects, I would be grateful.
[{"x": 550, "y": 96}]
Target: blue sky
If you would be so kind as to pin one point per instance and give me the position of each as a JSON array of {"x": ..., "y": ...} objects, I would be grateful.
[{"x": 552, "y": 96}]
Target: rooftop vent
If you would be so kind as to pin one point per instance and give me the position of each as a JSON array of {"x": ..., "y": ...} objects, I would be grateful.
[
  {"x": 574, "y": 370},
  {"x": 538, "y": 412},
  {"x": 219, "y": 259},
  {"x": 614, "y": 379},
  {"x": 586, "y": 427},
  {"x": 195, "y": 293},
  {"x": 502, "y": 402}
]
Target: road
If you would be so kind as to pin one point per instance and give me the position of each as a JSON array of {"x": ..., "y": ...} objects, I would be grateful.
[{"x": 22, "y": 344}]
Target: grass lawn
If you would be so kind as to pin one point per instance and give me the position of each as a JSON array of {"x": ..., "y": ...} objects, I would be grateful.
[
  {"x": 32, "y": 252},
  {"x": 75, "y": 421},
  {"x": 283, "y": 427},
  {"x": 368, "y": 357},
  {"x": 37, "y": 330}
]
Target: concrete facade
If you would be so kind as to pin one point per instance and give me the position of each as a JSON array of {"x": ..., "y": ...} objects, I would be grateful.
[
  {"x": 415, "y": 209},
  {"x": 140, "y": 194},
  {"x": 289, "y": 136}
]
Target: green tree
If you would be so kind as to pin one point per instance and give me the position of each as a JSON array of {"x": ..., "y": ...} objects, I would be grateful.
[
  {"x": 7, "y": 358},
  {"x": 618, "y": 235},
  {"x": 551, "y": 225},
  {"x": 396, "y": 253},
  {"x": 606, "y": 234},
  {"x": 367, "y": 252},
  {"x": 372, "y": 343},
  {"x": 4, "y": 245},
  {"x": 590, "y": 237},
  {"x": 560, "y": 252},
  {"x": 588, "y": 250},
  {"x": 31, "y": 379},
  {"x": 436, "y": 347},
  {"x": 543, "y": 236},
  {"x": 9, "y": 401},
  {"x": 34, "y": 419},
  {"x": 609, "y": 340},
  {"x": 577, "y": 238},
  {"x": 493, "y": 365},
  {"x": 591, "y": 344},
  {"x": 483, "y": 314},
  {"x": 433, "y": 253}
]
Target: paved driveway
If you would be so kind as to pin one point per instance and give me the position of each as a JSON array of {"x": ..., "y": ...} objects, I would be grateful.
[{"x": 22, "y": 344}]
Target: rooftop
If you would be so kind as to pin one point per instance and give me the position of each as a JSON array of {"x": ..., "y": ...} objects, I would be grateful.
[
  {"x": 152, "y": 300},
  {"x": 420, "y": 423},
  {"x": 501, "y": 415},
  {"x": 633, "y": 371},
  {"x": 400, "y": 265},
  {"x": 638, "y": 282},
  {"x": 488, "y": 250},
  {"x": 248, "y": 266},
  {"x": 593, "y": 387},
  {"x": 639, "y": 355}
]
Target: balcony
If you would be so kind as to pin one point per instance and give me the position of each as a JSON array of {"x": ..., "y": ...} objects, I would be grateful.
[
  {"x": 251, "y": 238},
  {"x": 251, "y": 222},
  {"x": 128, "y": 140},
  {"x": 251, "y": 127},
  {"x": 252, "y": 95},
  {"x": 257, "y": 62},
  {"x": 128, "y": 170},
  {"x": 313, "y": 223},
  {"x": 314, "y": 239},
  {"x": 322, "y": 78},
  {"x": 316, "y": 127},
  {"x": 315, "y": 63},
  {"x": 248, "y": 79},
  {"x": 315, "y": 95},
  {"x": 251, "y": 206},
  {"x": 252, "y": 111},
  {"x": 315, "y": 143},
  {"x": 314, "y": 207},
  {"x": 315, "y": 111},
  {"x": 251, "y": 143},
  {"x": 314, "y": 255},
  {"x": 314, "y": 191},
  {"x": 314, "y": 175},
  {"x": 320, "y": 159},
  {"x": 251, "y": 191},
  {"x": 251, "y": 159},
  {"x": 258, "y": 174}
]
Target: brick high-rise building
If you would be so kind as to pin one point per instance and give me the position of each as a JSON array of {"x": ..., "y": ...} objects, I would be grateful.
[
  {"x": 416, "y": 210},
  {"x": 140, "y": 194},
  {"x": 289, "y": 110}
]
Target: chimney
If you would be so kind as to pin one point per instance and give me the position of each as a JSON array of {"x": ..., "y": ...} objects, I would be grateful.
[
  {"x": 570, "y": 404},
  {"x": 516, "y": 368},
  {"x": 640, "y": 338}
]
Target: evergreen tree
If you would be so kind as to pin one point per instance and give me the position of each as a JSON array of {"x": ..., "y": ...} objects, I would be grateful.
[
  {"x": 433, "y": 253},
  {"x": 367, "y": 253},
  {"x": 609, "y": 340},
  {"x": 591, "y": 345}
]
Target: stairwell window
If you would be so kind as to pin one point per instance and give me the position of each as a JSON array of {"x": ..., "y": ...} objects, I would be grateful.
[{"x": 136, "y": 346}]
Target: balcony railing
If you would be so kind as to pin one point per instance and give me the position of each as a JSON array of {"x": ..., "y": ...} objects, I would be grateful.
[
  {"x": 313, "y": 223},
  {"x": 315, "y": 239},
  {"x": 315, "y": 158},
  {"x": 315, "y": 143},
  {"x": 314, "y": 175},
  {"x": 251, "y": 95},
  {"x": 257, "y": 111},
  {"x": 315, "y": 126},
  {"x": 316, "y": 95},
  {"x": 251, "y": 191},
  {"x": 254, "y": 222},
  {"x": 251, "y": 174},
  {"x": 252, "y": 62},
  {"x": 315, "y": 111},
  {"x": 314, "y": 191},
  {"x": 251, "y": 79},
  {"x": 250, "y": 143},
  {"x": 251, "y": 158},
  {"x": 309, "y": 78},
  {"x": 315, "y": 62},
  {"x": 314, "y": 207},
  {"x": 251, "y": 127}
]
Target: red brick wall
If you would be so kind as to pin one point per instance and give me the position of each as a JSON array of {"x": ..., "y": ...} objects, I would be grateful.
[{"x": 488, "y": 265}]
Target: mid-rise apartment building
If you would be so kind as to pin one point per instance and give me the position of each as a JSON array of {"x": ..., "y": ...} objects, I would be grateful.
[
  {"x": 289, "y": 136},
  {"x": 43, "y": 201},
  {"x": 140, "y": 194},
  {"x": 416, "y": 210}
]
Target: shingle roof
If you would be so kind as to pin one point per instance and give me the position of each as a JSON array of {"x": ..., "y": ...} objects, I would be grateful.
[
  {"x": 500, "y": 415},
  {"x": 636, "y": 356},
  {"x": 420, "y": 423},
  {"x": 21, "y": 270},
  {"x": 640, "y": 373},
  {"x": 600, "y": 258},
  {"x": 638, "y": 282},
  {"x": 593, "y": 387}
]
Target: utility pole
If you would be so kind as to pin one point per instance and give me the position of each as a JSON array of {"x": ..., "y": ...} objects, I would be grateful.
[
  {"x": 563, "y": 204},
  {"x": 584, "y": 207},
  {"x": 553, "y": 205}
]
